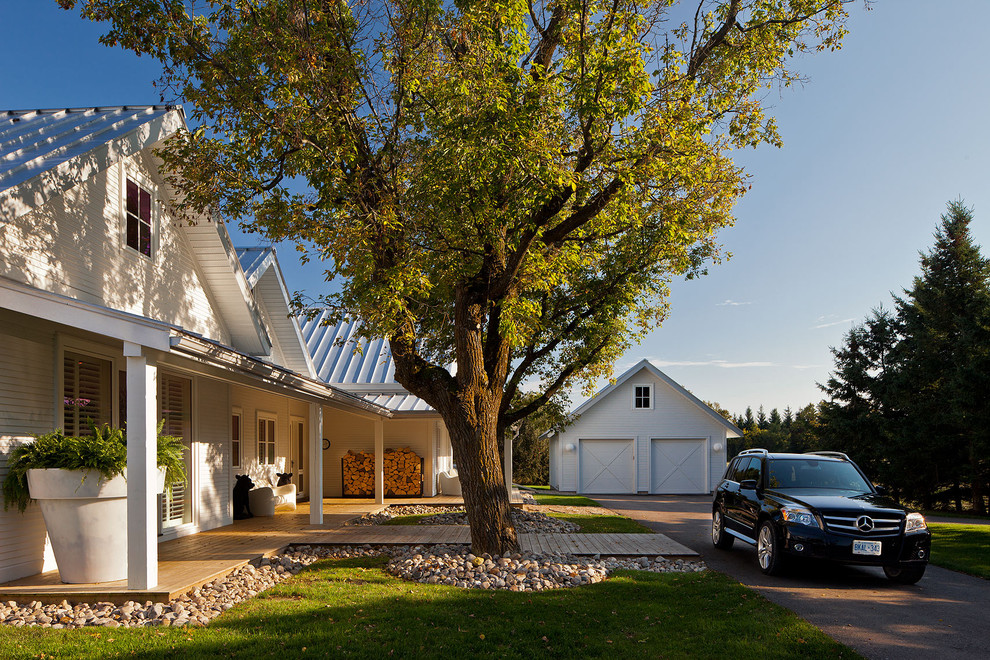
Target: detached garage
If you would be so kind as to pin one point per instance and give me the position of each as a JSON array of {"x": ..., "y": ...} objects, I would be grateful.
[{"x": 642, "y": 434}]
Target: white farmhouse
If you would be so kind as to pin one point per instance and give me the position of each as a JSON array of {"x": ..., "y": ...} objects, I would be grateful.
[
  {"x": 642, "y": 434},
  {"x": 112, "y": 310}
]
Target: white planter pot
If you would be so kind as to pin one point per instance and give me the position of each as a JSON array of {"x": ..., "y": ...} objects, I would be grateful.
[{"x": 86, "y": 518}]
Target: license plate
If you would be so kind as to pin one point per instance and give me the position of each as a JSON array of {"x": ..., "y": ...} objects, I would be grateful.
[{"x": 866, "y": 547}]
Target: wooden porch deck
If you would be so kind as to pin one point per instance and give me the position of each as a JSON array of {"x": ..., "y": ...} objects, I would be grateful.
[{"x": 191, "y": 561}]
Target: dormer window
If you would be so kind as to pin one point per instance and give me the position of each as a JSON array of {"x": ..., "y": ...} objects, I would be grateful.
[
  {"x": 139, "y": 223},
  {"x": 642, "y": 399}
]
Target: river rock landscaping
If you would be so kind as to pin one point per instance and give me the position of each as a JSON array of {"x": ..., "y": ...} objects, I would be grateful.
[
  {"x": 526, "y": 522},
  {"x": 451, "y": 565}
]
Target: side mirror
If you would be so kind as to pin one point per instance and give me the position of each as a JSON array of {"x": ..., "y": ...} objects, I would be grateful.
[
  {"x": 880, "y": 490},
  {"x": 747, "y": 484}
]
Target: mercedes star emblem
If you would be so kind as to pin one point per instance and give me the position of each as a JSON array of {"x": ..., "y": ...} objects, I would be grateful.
[{"x": 865, "y": 523}]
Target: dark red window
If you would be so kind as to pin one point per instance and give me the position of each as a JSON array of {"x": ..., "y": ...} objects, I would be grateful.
[{"x": 138, "y": 218}]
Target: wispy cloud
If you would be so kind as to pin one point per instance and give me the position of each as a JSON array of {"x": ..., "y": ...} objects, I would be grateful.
[
  {"x": 722, "y": 364},
  {"x": 733, "y": 303},
  {"x": 832, "y": 323}
]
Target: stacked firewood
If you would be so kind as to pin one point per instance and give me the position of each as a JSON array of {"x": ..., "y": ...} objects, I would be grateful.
[
  {"x": 403, "y": 473},
  {"x": 359, "y": 473}
]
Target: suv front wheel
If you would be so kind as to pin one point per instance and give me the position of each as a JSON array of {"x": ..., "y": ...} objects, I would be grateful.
[{"x": 768, "y": 550}]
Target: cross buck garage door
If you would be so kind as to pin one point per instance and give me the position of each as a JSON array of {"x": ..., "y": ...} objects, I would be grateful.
[
  {"x": 607, "y": 466},
  {"x": 678, "y": 467}
]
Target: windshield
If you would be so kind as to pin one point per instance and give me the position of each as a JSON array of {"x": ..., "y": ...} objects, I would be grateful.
[{"x": 815, "y": 473}]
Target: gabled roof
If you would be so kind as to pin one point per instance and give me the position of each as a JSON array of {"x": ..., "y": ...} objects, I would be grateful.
[
  {"x": 43, "y": 153},
  {"x": 733, "y": 431},
  {"x": 345, "y": 360},
  {"x": 265, "y": 278}
]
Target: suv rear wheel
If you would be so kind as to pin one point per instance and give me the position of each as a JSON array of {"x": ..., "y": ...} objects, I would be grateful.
[
  {"x": 720, "y": 539},
  {"x": 908, "y": 575},
  {"x": 768, "y": 550}
]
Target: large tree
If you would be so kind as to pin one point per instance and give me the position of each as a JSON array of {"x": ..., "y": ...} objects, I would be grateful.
[
  {"x": 943, "y": 360},
  {"x": 506, "y": 186}
]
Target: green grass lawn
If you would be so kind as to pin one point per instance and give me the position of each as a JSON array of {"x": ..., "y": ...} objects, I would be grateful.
[
  {"x": 407, "y": 520},
  {"x": 964, "y": 548},
  {"x": 564, "y": 500},
  {"x": 351, "y": 608},
  {"x": 604, "y": 524}
]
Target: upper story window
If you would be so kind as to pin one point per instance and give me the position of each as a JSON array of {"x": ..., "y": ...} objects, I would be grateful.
[
  {"x": 642, "y": 398},
  {"x": 139, "y": 222}
]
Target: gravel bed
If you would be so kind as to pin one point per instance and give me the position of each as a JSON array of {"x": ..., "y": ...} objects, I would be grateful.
[
  {"x": 397, "y": 510},
  {"x": 448, "y": 564},
  {"x": 524, "y": 521},
  {"x": 455, "y": 565}
]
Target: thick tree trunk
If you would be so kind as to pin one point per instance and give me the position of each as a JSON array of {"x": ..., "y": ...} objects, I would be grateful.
[{"x": 479, "y": 466}]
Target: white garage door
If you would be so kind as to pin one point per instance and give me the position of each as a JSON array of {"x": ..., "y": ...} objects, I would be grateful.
[
  {"x": 607, "y": 466},
  {"x": 678, "y": 467}
]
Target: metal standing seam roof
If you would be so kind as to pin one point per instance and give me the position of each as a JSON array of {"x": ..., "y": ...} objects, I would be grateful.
[
  {"x": 366, "y": 368},
  {"x": 34, "y": 141}
]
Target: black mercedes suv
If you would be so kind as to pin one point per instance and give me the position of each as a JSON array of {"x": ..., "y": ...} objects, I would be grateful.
[{"x": 817, "y": 505}]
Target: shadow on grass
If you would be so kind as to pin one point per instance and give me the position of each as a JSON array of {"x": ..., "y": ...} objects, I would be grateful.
[{"x": 351, "y": 608}]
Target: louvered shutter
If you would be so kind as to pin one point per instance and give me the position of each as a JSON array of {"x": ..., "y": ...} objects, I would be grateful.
[
  {"x": 86, "y": 393},
  {"x": 175, "y": 400}
]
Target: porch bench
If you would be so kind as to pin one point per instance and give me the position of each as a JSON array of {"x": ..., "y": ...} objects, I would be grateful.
[{"x": 266, "y": 499}]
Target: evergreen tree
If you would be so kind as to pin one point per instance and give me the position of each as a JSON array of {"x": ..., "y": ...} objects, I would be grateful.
[
  {"x": 943, "y": 362},
  {"x": 761, "y": 419},
  {"x": 854, "y": 420},
  {"x": 748, "y": 421},
  {"x": 803, "y": 435}
]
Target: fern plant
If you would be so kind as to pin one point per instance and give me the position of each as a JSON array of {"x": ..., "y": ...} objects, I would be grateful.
[{"x": 104, "y": 451}]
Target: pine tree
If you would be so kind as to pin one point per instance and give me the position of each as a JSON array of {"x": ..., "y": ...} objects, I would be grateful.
[
  {"x": 855, "y": 418},
  {"x": 943, "y": 361}
]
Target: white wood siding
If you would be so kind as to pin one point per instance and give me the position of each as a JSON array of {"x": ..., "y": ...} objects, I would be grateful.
[
  {"x": 27, "y": 364},
  {"x": 672, "y": 416},
  {"x": 74, "y": 246},
  {"x": 253, "y": 402}
]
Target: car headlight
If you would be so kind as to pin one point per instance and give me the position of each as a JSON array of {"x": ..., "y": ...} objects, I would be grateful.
[
  {"x": 799, "y": 516},
  {"x": 915, "y": 523}
]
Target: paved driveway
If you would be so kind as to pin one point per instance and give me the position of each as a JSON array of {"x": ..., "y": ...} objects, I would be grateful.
[{"x": 945, "y": 615}]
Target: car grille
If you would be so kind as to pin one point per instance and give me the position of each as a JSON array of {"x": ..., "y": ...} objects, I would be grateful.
[{"x": 848, "y": 525}]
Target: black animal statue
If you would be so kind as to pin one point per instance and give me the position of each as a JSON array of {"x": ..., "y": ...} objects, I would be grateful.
[
  {"x": 242, "y": 508},
  {"x": 284, "y": 478}
]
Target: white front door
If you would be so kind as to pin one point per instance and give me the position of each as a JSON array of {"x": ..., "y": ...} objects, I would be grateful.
[
  {"x": 678, "y": 467},
  {"x": 607, "y": 466}
]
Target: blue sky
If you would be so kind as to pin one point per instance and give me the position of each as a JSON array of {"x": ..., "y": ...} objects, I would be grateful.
[{"x": 881, "y": 136}]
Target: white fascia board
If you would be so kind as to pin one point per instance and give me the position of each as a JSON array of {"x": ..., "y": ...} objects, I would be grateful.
[
  {"x": 99, "y": 320},
  {"x": 36, "y": 191}
]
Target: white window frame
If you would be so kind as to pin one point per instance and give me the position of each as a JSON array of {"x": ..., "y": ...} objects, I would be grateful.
[
  {"x": 635, "y": 396},
  {"x": 68, "y": 344},
  {"x": 272, "y": 443},
  {"x": 143, "y": 181},
  {"x": 239, "y": 414}
]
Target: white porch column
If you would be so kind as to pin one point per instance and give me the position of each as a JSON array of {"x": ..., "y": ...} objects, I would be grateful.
[
  {"x": 142, "y": 469},
  {"x": 379, "y": 461},
  {"x": 315, "y": 476}
]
